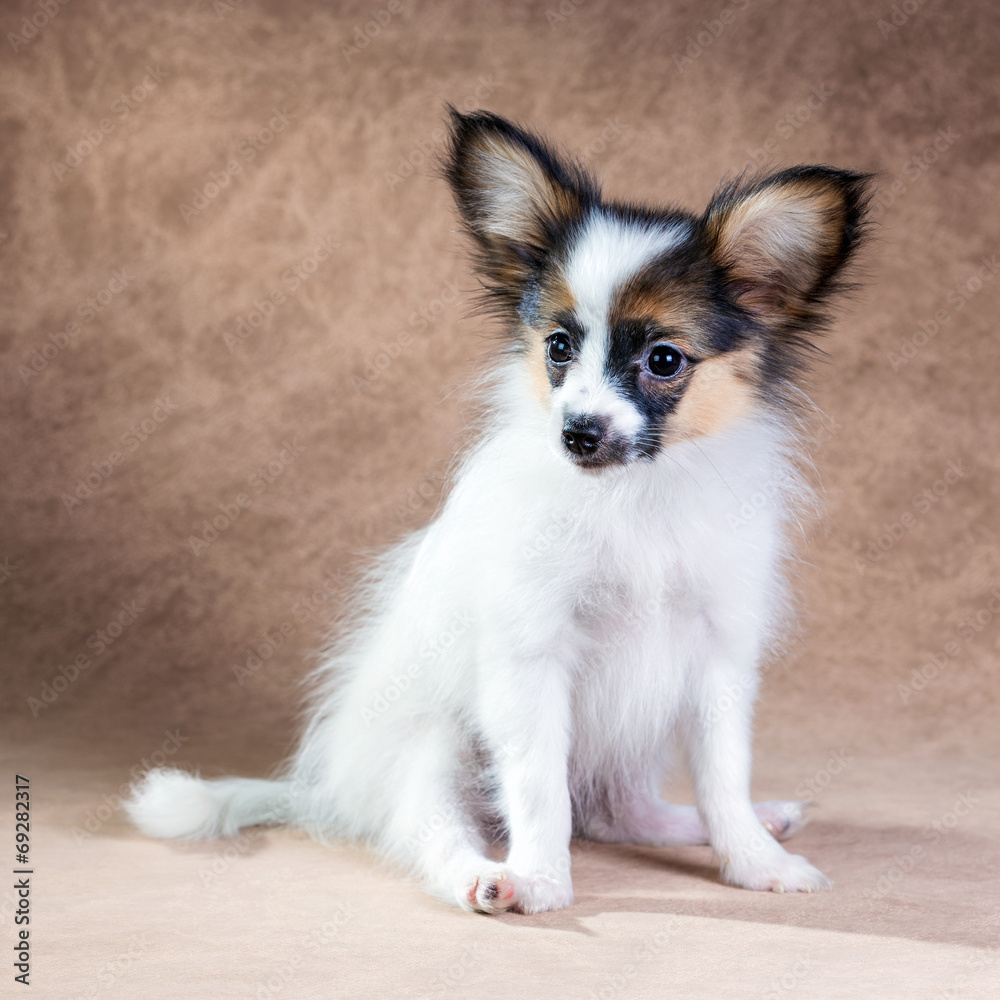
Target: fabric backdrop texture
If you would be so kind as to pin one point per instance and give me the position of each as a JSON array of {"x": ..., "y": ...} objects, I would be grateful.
[{"x": 237, "y": 325}]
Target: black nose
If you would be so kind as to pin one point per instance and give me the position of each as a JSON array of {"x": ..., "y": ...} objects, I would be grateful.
[{"x": 583, "y": 435}]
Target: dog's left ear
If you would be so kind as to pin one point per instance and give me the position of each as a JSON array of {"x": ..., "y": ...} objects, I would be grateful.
[
  {"x": 783, "y": 239},
  {"x": 514, "y": 193}
]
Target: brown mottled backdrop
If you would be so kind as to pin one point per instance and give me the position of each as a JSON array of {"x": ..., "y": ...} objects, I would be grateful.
[{"x": 232, "y": 286}]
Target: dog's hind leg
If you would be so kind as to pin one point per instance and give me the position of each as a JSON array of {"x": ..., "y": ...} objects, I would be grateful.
[
  {"x": 652, "y": 822},
  {"x": 719, "y": 749},
  {"x": 648, "y": 821}
]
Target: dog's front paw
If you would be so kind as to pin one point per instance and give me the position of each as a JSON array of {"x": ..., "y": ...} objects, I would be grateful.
[
  {"x": 774, "y": 871},
  {"x": 496, "y": 889},
  {"x": 540, "y": 893}
]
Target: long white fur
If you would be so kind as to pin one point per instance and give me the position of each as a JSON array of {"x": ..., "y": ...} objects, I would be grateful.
[{"x": 527, "y": 658}]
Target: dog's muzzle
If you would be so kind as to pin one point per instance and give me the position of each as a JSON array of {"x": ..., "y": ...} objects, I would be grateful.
[{"x": 583, "y": 435}]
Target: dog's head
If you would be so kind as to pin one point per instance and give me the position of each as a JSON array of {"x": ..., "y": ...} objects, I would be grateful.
[{"x": 641, "y": 327}]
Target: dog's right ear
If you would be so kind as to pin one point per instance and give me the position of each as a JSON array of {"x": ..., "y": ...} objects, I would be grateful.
[{"x": 515, "y": 195}]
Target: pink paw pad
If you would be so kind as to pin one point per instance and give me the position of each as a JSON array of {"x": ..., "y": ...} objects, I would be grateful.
[
  {"x": 492, "y": 892},
  {"x": 782, "y": 819}
]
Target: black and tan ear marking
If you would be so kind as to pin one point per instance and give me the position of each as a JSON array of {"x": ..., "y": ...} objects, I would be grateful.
[
  {"x": 782, "y": 240},
  {"x": 518, "y": 200}
]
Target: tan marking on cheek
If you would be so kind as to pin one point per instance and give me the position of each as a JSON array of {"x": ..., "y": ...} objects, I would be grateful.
[
  {"x": 721, "y": 393},
  {"x": 534, "y": 360},
  {"x": 555, "y": 299}
]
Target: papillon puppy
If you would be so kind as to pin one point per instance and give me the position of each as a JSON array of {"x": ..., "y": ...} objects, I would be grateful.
[{"x": 592, "y": 597}]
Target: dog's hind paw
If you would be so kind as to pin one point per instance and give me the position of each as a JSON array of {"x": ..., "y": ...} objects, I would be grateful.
[
  {"x": 782, "y": 819},
  {"x": 775, "y": 871}
]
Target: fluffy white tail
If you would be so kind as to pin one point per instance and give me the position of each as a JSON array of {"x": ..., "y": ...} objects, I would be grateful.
[{"x": 174, "y": 804}]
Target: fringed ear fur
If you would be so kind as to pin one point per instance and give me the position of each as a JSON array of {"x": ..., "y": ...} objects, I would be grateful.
[
  {"x": 780, "y": 241},
  {"x": 515, "y": 195},
  {"x": 784, "y": 238}
]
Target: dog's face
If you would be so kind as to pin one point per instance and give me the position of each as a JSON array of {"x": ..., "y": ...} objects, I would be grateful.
[{"x": 639, "y": 328}]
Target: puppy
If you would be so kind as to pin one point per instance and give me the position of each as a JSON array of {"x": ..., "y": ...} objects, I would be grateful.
[{"x": 589, "y": 595}]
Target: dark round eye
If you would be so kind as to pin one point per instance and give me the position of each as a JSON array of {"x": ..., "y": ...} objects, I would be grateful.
[
  {"x": 666, "y": 361},
  {"x": 559, "y": 348}
]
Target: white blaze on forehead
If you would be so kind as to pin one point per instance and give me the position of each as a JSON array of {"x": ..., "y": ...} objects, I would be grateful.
[{"x": 608, "y": 253}]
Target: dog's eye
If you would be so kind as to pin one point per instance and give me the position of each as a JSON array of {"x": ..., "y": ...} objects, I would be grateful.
[
  {"x": 559, "y": 348},
  {"x": 666, "y": 361}
]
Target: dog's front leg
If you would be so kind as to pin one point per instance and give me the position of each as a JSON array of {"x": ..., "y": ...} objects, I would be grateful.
[
  {"x": 720, "y": 749},
  {"x": 525, "y": 717}
]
